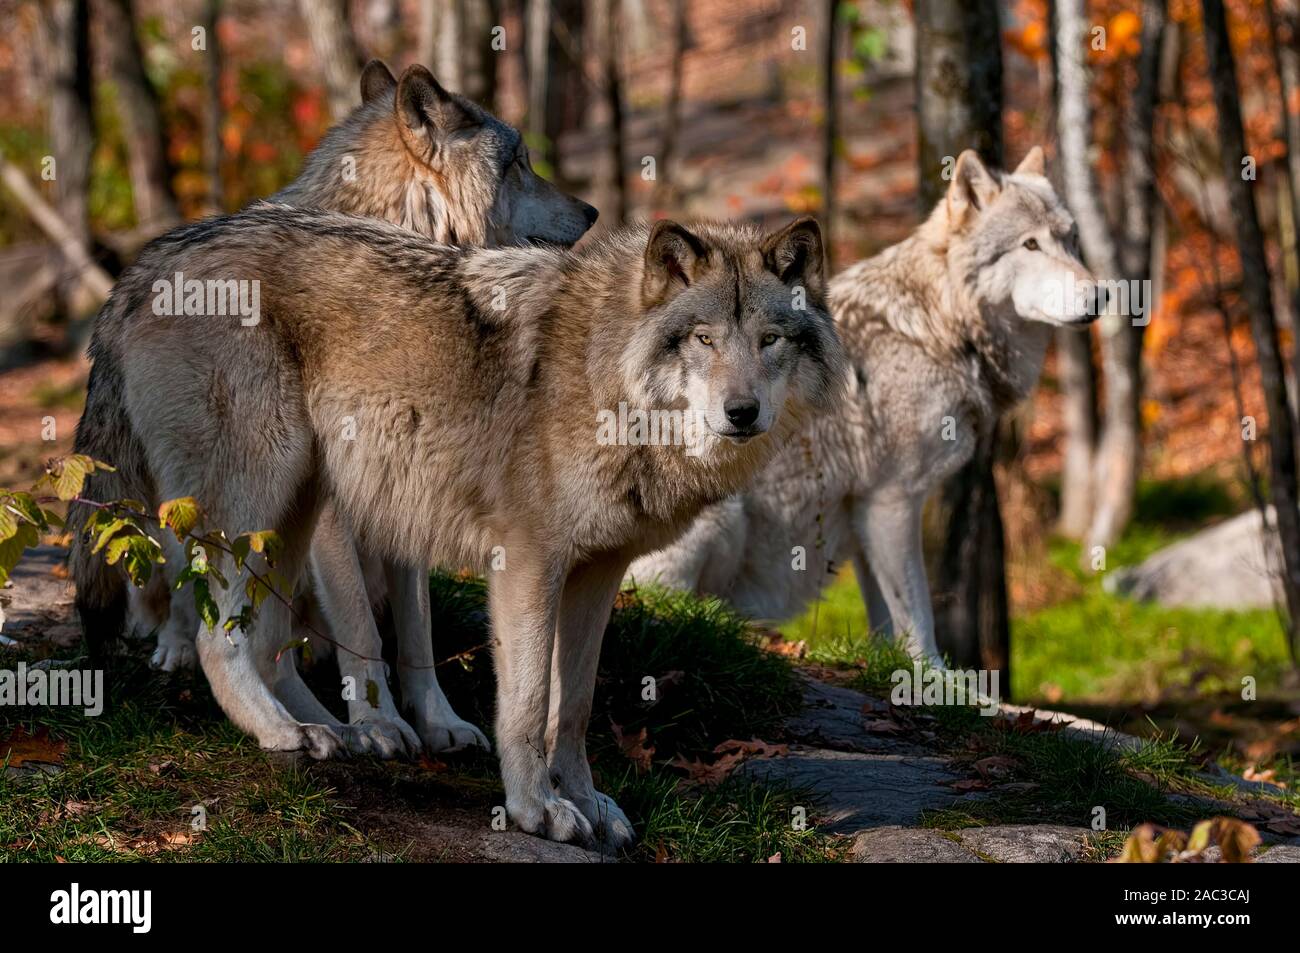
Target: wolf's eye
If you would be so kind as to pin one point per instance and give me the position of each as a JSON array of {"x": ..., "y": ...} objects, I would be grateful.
[
  {"x": 705, "y": 339},
  {"x": 1031, "y": 244},
  {"x": 768, "y": 339}
]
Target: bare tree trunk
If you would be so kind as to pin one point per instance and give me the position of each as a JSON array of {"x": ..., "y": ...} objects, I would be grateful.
[
  {"x": 959, "y": 88},
  {"x": 1078, "y": 379},
  {"x": 606, "y": 28},
  {"x": 466, "y": 62},
  {"x": 1284, "y": 33},
  {"x": 71, "y": 131},
  {"x": 1119, "y": 457},
  {"x": 959, "y": 96},
  {"x": 1078, "y": 376},
  {"x": 479, "y": 61},
  {"x": 151, "y": 187},
  {"x": 427, "y": 33},
  {"x": 212, "y": 132},
  {"x": 336, "y": 52},
  {"x": 384, "y": 27},
  {"x": 673, "y": 110},
  {"x": 831, "y": 127},
  {"x": 1255, "y": 290}
]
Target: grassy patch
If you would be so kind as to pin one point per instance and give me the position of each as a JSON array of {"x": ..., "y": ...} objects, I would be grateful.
[
  {"x": 689, "y": 674},
  {"x": 132, "y": 778}
]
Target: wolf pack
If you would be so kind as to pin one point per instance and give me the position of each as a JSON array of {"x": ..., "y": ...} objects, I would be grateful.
[{"x": 421, "y": 384}]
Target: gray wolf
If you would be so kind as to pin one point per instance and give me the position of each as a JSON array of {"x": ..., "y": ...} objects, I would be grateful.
[
  {"x": 943, "y": 331},
  {"x": 418, "y": 156},
  {"x": 448, "y": 402}
]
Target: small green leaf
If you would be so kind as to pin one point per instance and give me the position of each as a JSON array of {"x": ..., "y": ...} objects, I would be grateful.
[
  {"x": 205, "y": 604},
  {"x": 372, "y": 692}
]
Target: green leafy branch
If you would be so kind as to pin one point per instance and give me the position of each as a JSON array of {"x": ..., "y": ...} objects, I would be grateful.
[{"x": 117, "y": 529}]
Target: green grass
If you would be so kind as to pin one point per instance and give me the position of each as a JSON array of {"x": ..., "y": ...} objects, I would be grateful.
[
  {"x": 135, "y": 774},
  {"x": 138, "y": 771},
  {"x": 1095, "y": 646}
]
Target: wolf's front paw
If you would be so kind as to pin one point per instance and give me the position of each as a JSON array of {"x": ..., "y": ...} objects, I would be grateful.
[
  {"x": 386, "y": 736},
  {"x": 322, "y": 742},
  {"x": 174, "y": 655},
  {"x": 613, "y": 829},
  {"x": 554, "y": 818},
  {"x": 441, "y": 729}
]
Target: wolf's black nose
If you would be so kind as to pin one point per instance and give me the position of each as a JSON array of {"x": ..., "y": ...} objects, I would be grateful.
[
  {"x": 741, "y": 411},
  {"x": 590, "y": 214}
]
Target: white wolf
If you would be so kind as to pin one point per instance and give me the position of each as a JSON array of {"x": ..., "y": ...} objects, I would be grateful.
[{"x": 943, "y": 331}]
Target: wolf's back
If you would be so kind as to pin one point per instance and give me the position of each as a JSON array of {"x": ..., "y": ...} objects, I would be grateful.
[{"x": 105, "y": 433}]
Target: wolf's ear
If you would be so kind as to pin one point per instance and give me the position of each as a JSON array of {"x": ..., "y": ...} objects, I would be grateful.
[
  {"x": 973, "y": 187},
  {"x": 1033, "y": 163},
  {"x": 376, "y": 81},
  {"x": 426, "y": 108},
  {"x": 673, "y": 259},
  {"x": 795, "y": 254}
]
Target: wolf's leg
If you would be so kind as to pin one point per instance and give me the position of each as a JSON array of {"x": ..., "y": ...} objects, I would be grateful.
[
  {"x": 889, "y": 529},
  {"x": 240, "y": 669},
  {"x": 584, "y": 613},
  {"x": 339, "y": 588},
  {"x": 877, "y": 609},
  {"x": 524, "y": 601},
  {"x": 440, "y": 728},
  {"x": 147, "y": 606},
  {"x": 175, "y": 649}
]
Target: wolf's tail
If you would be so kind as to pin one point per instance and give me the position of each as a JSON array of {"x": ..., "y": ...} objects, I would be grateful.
[{"x": 104, "y": 433}]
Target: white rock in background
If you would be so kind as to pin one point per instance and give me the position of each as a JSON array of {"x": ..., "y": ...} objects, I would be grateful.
[{"x": 1223, "y": 567}]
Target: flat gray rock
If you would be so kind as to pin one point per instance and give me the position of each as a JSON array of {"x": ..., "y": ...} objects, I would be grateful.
[
  {"x": 1223, "y": 567},
  {"x": 840, "y": 718},
  {"x": 1027, "y": 843},
  {"x": 37, "y": 603},
  {"x": 516, "y": 847},
  {"x": 856, "y": 791},
  {"x": 904, "y": 845}
]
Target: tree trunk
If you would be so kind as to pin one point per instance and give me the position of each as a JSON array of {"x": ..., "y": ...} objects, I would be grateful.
[
  {"x": 72, "y": 134},
  {"x": 1077, "y": 374},
  {"x": 336, "y": 52},
  {"x": 427, "y": 32},
  {"x": 465, "y": 60},
  {"x": 606, "y": 28},
  {"x": 1078, "y": 380},
  {"x": 959, "y": 88},
  {"x": 1119, "y": 458},
  {"x": 959, "y": 96},
  {"x": 673, "y": 110},
  {"x": 212, "y": 152},
  {"x": 137, "y": 107},
  {"x": 1255, "y": 290},
  {"x": 1284, "y": 33},
  {"x": 831, "y": 127}
]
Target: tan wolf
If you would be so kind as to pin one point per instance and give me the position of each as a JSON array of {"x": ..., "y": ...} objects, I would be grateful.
[
  {"x": 454, "y": 404},
  {"x": 417, "y": 156},
  {"x": 943, "y": 331}
]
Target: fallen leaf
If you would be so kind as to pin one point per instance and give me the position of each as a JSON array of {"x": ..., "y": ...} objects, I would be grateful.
[
  {"x": 972, "y": 784},
  {"x": 634, "y": 747},
  {"x": 752, "y": 748},
  {"x": 21, "y": 747},
  {"x": 994, "y": 767},
  {"x": 432, "y": 765}
]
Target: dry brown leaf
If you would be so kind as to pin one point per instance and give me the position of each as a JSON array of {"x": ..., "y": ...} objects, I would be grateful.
[
  {"x": 634, "y": 747},
  {"x": 21, "y": 747},
  {"x": 995, "y": 767}
]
